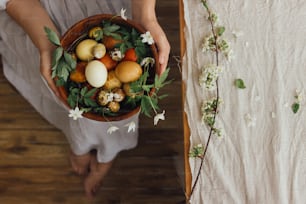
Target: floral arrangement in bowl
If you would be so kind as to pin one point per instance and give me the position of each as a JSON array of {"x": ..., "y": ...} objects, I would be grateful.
[{"x": 104, "y": 67}]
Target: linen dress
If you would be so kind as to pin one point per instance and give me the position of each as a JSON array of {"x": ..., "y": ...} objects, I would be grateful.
[{"x": 21, "y": 67}]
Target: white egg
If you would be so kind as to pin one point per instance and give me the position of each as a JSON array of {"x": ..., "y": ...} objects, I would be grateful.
[{"x": 96, "y": 73}]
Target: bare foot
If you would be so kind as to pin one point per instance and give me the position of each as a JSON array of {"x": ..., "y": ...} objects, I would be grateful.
[
  {"x": 94, "y": 179},
  {"x": 80, "y": 164}
]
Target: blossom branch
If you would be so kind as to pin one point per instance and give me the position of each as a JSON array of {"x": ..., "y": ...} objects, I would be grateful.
[{"x": 217, "y": 100}]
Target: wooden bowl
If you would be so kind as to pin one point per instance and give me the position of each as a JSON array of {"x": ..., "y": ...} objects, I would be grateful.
[{"x": 79, "y": 32}]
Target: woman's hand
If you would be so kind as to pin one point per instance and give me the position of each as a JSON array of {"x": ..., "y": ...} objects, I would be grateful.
[
  {"x": 162, "y": 44},
  {"x": 144, "y": 13}
]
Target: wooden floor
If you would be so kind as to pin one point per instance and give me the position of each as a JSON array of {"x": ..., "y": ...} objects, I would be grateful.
[{"x": 34, "y": 166}]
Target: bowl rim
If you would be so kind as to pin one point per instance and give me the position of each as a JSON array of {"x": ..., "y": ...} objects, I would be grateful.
[{"x": 74, "y": 33}]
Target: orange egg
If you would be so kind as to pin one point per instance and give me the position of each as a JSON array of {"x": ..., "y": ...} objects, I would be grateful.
[{"x": 128, "y": 71}]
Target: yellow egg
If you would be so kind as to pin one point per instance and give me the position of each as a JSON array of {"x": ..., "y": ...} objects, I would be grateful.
[
  {"x": 96, "y": 73},
  {"x": 128, "y": 71},
  {"x": 84, "y": 49}
]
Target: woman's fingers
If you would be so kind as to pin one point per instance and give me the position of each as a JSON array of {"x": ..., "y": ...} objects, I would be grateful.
[
  {"x": 162, "y": 44},
  {"x": 163, "y": 52}
]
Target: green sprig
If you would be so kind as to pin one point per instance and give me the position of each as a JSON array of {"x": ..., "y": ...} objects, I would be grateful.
[{"x": 62, "y": 62}]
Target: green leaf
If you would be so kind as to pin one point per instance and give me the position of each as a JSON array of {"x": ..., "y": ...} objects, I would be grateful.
[
  {"x": 83, "y": 91},
  {"x": 220, "y": 31},
  {"x": 147, "y": 88},
  {"x": 56, "y": 56},
  {"x": 239, "y": 83},
  {"x": 295, "y": 107},
  {"x": 90, "y": 102},
  {"x": 65, "y": 73},
  {"x": 160, "y": 81},
  {"x": 146, "y": 106},
  {"x": 52, "y": 36},
  {"x": 115, "y": 36},
  {"x": 62, "y": 70},
  {"x": 73, "y": 97},
  {"x": 60, "y": 82},
  {"x": 70, "y": 61},
  {"x": 90, "y": 93},
  {"x": 111, "y": 28}
]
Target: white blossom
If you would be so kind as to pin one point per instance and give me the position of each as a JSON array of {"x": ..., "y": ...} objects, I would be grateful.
[
  {"x": 131, "y": 126},
  {"x": 147, "y": 61},
  {"x": 208, "y": 76},
  {"x": 208, "y": 44},
  {"x": 299, "y": 96},
  {"x": 147, "y": 38},
  {"x": 122, "y": 14},
  {"x": 160, "y": 116},
  {"x": 112, "y": 129},
  {"x": 75, "y": 113}
]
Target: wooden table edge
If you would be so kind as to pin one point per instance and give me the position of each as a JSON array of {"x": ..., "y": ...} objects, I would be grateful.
[{"x": 186, "y": 130}]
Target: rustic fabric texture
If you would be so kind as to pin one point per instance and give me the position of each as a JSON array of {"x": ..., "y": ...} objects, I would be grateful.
[{"x": 261, "y": 157}]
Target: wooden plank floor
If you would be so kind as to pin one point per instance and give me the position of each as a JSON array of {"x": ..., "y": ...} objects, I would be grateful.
[{"x": 34, "y": 166}]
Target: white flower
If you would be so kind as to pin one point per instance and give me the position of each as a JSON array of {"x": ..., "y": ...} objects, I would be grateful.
[
  {"x": 208, "y": 76},
  {"x": 251, "y": 121},
  {"x": 160, "y": 116},
  {"x": 112, "y": 129},
  {"x": 147, "y": 61},
  {"x": 147, "y": 38},
  {"x": 208, "y": 44},
  {"x": 131, "y": 126},
  {"x": 76, "y": 113},
  {"x": 122, "y": 14}
]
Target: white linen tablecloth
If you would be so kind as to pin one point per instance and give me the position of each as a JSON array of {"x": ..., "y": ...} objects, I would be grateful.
[{"x": 261, "y": 157}]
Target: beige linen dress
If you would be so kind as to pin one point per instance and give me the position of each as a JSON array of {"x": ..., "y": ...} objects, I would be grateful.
[{"x": 21, "y": 67}]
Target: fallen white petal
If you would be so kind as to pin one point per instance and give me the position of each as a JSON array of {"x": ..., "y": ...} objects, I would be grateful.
[
  {"x": 131, "y": 126},
  {"x": 112, "y": 129},
  {"x": 160, "y": 116}
]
